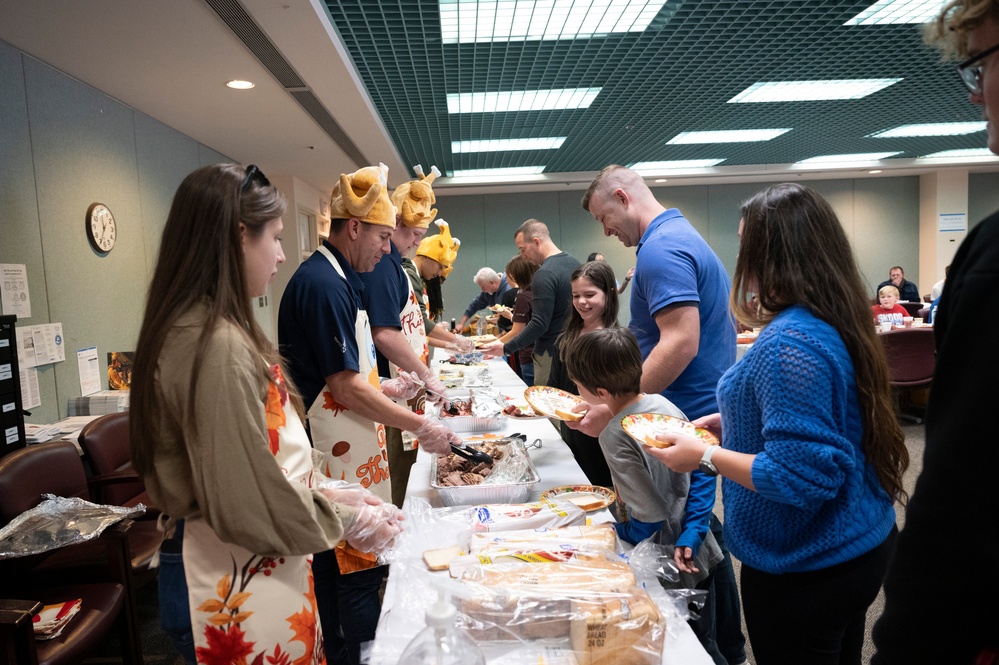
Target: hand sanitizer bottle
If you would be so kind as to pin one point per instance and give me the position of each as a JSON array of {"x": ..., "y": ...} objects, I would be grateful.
[{"x": 441, "y": 643}]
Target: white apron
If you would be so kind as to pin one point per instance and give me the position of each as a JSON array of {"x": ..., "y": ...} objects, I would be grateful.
[
  {"x": 411, "y": 319},
  {"x": 246, "y": 607},
  {"x": 353, "y": 447}
]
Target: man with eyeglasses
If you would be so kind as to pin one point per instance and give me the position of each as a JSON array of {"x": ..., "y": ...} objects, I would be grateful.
[{"x": 949, "y": 548}]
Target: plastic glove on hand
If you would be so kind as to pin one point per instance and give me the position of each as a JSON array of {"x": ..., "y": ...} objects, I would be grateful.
[
  {"x": 436, "y": 437},
  {"x": 405, "y": 386},
  {"x": 350, "y": 494},
  {"x": 374, "y": 528},
  {"x": 436, "y": 392},
  {"x": 461, "y": 345}
]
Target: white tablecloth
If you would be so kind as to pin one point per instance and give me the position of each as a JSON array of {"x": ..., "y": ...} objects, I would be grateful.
[{"x": 556, "y": 466}]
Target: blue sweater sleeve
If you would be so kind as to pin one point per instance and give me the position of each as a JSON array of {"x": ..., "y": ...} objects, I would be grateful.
[
  {"x": 700, "y": 503},
  {"x": 635, "y": 531}
]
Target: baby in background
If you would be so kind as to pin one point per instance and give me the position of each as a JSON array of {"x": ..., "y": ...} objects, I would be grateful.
[{"x": 889, "y": 310}]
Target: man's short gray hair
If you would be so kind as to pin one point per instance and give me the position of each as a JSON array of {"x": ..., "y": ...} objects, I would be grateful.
[{"x": 486, "y": 276}]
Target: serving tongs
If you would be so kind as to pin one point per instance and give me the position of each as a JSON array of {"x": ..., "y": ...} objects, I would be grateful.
[{"x": 472, "y": 455}]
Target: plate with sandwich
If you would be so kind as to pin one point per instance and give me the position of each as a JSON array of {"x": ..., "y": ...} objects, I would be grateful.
[
  {"x": 643, "y": 427},
  {"x": 587, "y": 497},
  {"x": 553, "y": 402}
]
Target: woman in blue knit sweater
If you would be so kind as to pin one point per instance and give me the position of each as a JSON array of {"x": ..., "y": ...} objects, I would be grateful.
[{"x": 812, "y": 458}]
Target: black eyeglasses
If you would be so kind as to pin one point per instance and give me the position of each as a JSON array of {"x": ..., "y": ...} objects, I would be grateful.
[
  {"x": 253, "y": 174},
  {"x": 970, "y": 71}
]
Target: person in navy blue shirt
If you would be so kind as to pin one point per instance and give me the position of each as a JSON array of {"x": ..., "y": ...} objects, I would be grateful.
[
  {"x": 679, "y": 314},
  {"x": 907, "y": 291}
]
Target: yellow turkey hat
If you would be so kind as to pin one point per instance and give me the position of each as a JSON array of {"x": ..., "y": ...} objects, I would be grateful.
[
  {"x": 412, "y": 200},
  {"x": 364, "y": 195},
  {"x": 442, "y": 248}
]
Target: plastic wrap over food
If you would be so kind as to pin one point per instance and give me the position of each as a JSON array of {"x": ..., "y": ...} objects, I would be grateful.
[
  {"x": 539, "y": 515},
  {"x": 595, "y": 605},
  {"x": 57, "y": 522}
]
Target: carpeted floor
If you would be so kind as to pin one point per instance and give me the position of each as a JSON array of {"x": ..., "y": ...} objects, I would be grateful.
[{"x": 159, "y": 651}]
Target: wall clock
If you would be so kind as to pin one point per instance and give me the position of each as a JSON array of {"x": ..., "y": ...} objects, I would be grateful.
[{"x": 101, "y": 228}]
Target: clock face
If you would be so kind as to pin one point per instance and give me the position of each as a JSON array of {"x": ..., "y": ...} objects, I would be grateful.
[{"x": 101, "y": 228}]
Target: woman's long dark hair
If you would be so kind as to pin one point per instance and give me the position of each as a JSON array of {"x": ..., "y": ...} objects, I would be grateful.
[
  {"x": 602, "y": 276},
  {"x": 794, "y": 252},
  {"x": 200, "y": 261},
  {"x": 522, "y": 271}
]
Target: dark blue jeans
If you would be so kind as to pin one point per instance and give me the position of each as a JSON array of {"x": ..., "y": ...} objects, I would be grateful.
[
  {"x": 175, "y": 610},
  {"x": 349, "y": 607}
]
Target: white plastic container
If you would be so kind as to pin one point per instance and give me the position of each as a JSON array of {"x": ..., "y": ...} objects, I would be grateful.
[{"x": 440, "y": 643}]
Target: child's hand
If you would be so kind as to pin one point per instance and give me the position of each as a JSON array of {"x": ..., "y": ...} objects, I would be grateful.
[
  {"x": 684, "y": 558},
  {"x": 593, "y": 423}
]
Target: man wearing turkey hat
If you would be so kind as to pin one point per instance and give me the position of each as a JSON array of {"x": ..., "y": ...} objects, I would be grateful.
[
  {"x": 396, "y": 322},
  {"x": 434, "y": 261},
  {"x": 324, "y": 333}
]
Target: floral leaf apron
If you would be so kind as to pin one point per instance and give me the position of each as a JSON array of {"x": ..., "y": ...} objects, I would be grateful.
[
  {"x": 411, "y": 319},
  {"x": 251, "y": 608},
  {"x": 353, "y": 447}
]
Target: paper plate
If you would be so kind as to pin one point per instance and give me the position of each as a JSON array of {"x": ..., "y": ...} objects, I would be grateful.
[
  {"x": 587, "y": 497},
  {"x": 644, "y": 427},
  {"x": 520, "y": 410},
  {"x": 547, "y": 400}
]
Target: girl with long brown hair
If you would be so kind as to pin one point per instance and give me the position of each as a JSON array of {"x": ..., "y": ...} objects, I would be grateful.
[
  {"x": 812, "y": 453},
  {"x": 216, "y": 435}
]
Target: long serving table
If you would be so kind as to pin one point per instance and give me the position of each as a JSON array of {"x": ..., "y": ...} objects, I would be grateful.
[{"x": 556, "y": 466}]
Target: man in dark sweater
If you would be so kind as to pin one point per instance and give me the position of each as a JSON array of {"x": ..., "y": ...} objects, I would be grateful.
[
  {"x": 955, "y": 506},
  {"x": 552, "y": 298},
  {"x": 907, "y": 291}
]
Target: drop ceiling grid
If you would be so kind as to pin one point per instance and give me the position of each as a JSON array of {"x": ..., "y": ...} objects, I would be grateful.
[{"x": 675, "y": 76}]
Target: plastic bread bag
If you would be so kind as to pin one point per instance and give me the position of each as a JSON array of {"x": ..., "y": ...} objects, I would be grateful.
[
  {"x": 539, "y": 515},
  {"x": 541, "y": 554},
  {"x": 57, "y": 522},
  {"x": 599, "y": 610},
  {"x": 582, "y": 537}
]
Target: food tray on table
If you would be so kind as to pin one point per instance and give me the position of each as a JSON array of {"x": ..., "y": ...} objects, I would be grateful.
[
  {"x": 471, "y": 495},
  {"x": 470, "y": 418}
]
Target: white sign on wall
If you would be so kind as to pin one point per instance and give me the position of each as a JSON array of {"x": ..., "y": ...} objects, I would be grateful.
[{"x": 952, "y": 221}]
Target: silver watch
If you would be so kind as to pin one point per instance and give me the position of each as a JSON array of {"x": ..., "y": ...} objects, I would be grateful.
[{"x": 706, "y": 466}]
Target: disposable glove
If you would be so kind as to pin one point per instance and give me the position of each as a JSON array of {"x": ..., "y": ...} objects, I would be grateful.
[
  {"x": 405, "y": 386},
  {"x": 436, "y": 437}
]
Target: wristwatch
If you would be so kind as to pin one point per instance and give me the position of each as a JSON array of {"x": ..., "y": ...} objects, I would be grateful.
[{"x": 706, "y": 466}]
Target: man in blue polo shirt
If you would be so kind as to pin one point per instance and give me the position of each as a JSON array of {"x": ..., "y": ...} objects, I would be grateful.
[
  {"x": 680, "y": 316},
  {"x": 324, "y": 333}
]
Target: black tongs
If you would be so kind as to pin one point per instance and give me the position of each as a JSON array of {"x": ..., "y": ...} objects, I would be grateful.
[{"x": 472, "y": 455}]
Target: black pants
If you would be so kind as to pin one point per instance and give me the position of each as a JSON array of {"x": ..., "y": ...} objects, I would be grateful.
[
  {"x": 815, "y": 617},
  {"x": 349, "y": 607}
]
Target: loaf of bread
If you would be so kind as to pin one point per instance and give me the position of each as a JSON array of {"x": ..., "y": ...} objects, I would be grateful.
[
  {"x": 622, "y": 628},
  {"x": 540, "y": 515}
]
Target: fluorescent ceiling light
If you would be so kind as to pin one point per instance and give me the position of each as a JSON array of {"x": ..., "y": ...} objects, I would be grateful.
[
  {"x": 498, "y": 173},
  {"x": 466, "y": 21},
  {"x": 931, "y": 129},
  {"x": 727, "y": 136},
  {"x": 239, "y": 85},
  {"x": 653, "y": 168},
  {"x": 963, "y": 152},
  {"x": 805, "y": 91},
  {"x": 840, "y": 160},
  {"x": 893, "y": 12},
  {"x": 521, "y": 100},
  {"x": 500, "y": 145}
]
